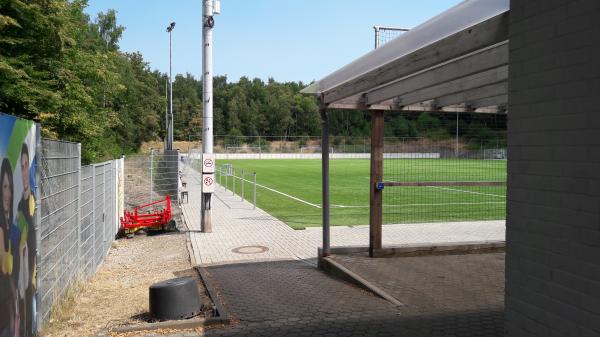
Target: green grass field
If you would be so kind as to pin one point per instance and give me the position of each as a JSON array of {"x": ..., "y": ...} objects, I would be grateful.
[{"x": 291, "y": 190}]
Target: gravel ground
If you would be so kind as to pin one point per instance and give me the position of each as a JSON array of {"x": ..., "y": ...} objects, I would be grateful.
[{"x": 118, "y": 294}]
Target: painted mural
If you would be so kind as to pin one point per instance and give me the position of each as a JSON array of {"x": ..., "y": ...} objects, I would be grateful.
[{"x": 17, "y": 227}]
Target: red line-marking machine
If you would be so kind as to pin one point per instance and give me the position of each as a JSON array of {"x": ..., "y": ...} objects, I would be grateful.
[{"x": 150, "y": 217}]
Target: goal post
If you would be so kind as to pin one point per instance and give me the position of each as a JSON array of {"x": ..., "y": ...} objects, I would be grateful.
[{"x": 385, "y": 34}]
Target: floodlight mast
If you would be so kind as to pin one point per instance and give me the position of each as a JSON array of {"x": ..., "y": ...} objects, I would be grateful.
[
  {"x": 208, "y": 7},
  {"x": 169, "y": 126}
]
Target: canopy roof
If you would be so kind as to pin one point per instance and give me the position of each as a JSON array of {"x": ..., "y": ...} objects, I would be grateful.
[{"x": 456, "y": 61}]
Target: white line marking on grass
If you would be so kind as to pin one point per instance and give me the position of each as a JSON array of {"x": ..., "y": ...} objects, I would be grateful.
[
  {"x": 284, "y": 194},
  {"x": 463, "y": 191}
]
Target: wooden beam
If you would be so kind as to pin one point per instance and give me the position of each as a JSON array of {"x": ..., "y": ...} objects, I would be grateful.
[
  {"x": 376, "y": 195},
  {"x": 498, "y": 101},
  {"x": 325, "y": 178},
  {"x": 470, "y": 82},
  {"x": 469, "y": 96},
  {"x": 479, "y": 36},
  {"x": 465, "y": 65},
  {"x": 442, "y": 183}
]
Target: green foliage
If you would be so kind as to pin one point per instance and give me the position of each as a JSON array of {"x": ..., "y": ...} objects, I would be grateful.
[
  {"x": 65, "y": 70},
  {"x": 246, "y": 108}
]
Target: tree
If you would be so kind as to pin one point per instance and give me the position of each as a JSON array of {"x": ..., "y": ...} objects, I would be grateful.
[{"x": 109, "y": 30}]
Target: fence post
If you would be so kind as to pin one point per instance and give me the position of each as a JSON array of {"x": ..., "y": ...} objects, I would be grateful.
[
  {"x": 151, "y": 168},
  {"x": 233, "y": 178},
  {"x": 117, "y": 172},
  {"x": 93, "y": 218},
  {"x": 104, "y": 205},
  {"x": 242, "y": 181},
  {"x": 79, "y": 258},
  {"x": 38, "y": 220},
  {"x": 254, "y": 202},
  {"x": 226, "y": 177}
]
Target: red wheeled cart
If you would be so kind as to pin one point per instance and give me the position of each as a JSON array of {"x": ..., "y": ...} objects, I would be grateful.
[{"x": 148, "y": 217}]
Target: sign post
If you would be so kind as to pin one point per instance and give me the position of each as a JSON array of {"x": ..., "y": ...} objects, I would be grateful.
[{"x": 209, "y": 9}]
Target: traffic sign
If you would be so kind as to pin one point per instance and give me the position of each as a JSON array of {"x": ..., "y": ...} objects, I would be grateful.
[
  {"x": 208, "y": 163},
  {"x": 208, "y": 183}
]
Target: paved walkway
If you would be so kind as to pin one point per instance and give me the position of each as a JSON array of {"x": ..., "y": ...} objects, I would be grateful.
[
  {"x": 291, "y": 298},
  {"x": 236, "y": 223}
]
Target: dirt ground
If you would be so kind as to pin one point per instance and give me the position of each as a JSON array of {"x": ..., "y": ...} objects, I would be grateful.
[{"x": 118, "y": 294}]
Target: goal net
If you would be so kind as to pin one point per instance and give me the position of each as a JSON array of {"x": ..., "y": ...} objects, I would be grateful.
[{"x": 384, "y": 35}]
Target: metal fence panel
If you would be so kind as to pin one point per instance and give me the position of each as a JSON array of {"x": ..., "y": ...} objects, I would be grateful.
[
  {"x": 149, "y": 178},
  {"x": 59, "y": 214},
  {"x": 78, "y": 219}
]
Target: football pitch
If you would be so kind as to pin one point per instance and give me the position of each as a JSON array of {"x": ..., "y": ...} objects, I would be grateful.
[{"x": 290, "y": 189}]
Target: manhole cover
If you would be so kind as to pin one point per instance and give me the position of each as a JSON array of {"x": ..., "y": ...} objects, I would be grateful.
[{"x": 250, "y": 249}]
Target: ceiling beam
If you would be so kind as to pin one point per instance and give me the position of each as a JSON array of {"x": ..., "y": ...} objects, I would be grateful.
[
  {"x": 497, "y": 101},
  {"x": 472, "y": 63},
  {"x": 482, "y": 35},
  {"x": 469, "y": 96},
  {"x": 470, "y": 82}
]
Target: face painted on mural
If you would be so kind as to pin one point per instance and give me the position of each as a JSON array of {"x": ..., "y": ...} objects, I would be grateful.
[
  {"x": 6, "y": 195},
  {"x": 25, "y": 174}
]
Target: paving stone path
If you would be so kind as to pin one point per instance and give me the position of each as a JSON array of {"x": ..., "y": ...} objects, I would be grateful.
[{"x": 291, "y": 298}]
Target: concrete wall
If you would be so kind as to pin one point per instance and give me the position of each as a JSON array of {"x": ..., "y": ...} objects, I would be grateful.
[{"x": 553, "y": 222}]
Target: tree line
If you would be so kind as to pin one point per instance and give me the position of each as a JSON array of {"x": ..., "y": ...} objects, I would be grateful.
[{"x": 64, "y": 69}]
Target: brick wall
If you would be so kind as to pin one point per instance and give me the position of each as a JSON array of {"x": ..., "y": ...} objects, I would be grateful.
[{"x": 553, "y": 220}]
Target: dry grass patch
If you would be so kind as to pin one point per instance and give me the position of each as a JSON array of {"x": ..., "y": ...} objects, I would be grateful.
[{"x": 118, "y": 294}]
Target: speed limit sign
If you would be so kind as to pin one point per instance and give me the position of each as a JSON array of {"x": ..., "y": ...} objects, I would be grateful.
[{"x": 208, "y": 183}]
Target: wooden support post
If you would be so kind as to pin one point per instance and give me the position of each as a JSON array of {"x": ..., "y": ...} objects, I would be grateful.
[
  {"x": 376, "y": 196},
  {"x": 325, "y": 178}
]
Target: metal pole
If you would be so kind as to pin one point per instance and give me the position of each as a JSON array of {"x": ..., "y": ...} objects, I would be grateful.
[
  {"x": 151, "y": 179},
  {"x": 166, "y": 114},
  {"x": 325, "y": 178},
  {"x": 242, "y": 185},
  {"x": 170, "y": 96},
  {"x": 376, "y": 28},
  {"x": 94, "y": 223},
  {"x": 207, "y": 102},
  {"x": 80, "y": 258},
  {"x": 233, "y": 178},
  {"x": 254, "y": 197}
]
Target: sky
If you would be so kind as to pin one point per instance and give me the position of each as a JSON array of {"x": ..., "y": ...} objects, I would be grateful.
[{"x": 302, "y": 40}]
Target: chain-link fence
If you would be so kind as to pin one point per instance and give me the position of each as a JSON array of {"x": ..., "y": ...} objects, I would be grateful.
[
  {"x": 151, "y": 178},
  {"x": 79, "y": 219},
  {"x": 447, "y": 167},
  {"x": 433, "y": 183},
  {"x": 441, "y": 178}
]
